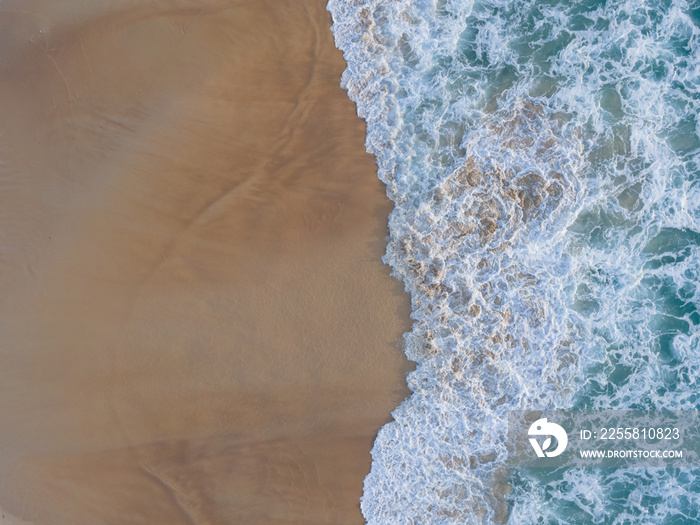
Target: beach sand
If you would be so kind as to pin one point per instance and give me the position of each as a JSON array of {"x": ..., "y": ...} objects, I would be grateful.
[{"x": 196, "y": 323}]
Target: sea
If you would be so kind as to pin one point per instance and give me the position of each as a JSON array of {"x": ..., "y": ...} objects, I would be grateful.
[{"x": 543, "y": 158}]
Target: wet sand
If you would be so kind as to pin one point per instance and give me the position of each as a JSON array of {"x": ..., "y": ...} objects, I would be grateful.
[{"x": 196, "y": 323}]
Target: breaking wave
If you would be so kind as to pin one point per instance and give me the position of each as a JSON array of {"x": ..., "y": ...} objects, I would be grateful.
[{"x": 543, "y": 160}]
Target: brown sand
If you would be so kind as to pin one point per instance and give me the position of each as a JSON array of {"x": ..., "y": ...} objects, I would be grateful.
[{"x": 196, "y": 324}]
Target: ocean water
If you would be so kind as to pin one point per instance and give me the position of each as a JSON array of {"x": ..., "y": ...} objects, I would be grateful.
[{"x": 543, "y": 158}]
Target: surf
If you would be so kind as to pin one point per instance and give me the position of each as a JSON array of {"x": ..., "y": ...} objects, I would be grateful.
[{"x": 543, "y": 163}]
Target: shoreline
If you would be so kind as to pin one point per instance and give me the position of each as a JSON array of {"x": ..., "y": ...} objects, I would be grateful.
[{"x": 198, "y": 324}]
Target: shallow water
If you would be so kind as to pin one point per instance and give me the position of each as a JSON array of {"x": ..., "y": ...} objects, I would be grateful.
[{"x": 543, "y": 160}]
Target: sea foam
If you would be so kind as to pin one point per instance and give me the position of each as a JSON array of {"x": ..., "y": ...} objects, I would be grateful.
[{"x": 543, "y": 161}]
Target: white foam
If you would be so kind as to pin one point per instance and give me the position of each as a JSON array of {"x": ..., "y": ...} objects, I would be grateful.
[{"x": 532, "y": 193}]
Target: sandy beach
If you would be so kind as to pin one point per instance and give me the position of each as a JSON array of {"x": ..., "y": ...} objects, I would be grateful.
[{"x": 196, "y": 323}]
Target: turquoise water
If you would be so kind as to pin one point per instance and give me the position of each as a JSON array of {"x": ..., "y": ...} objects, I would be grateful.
[{"x": 543, "y": 159}]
